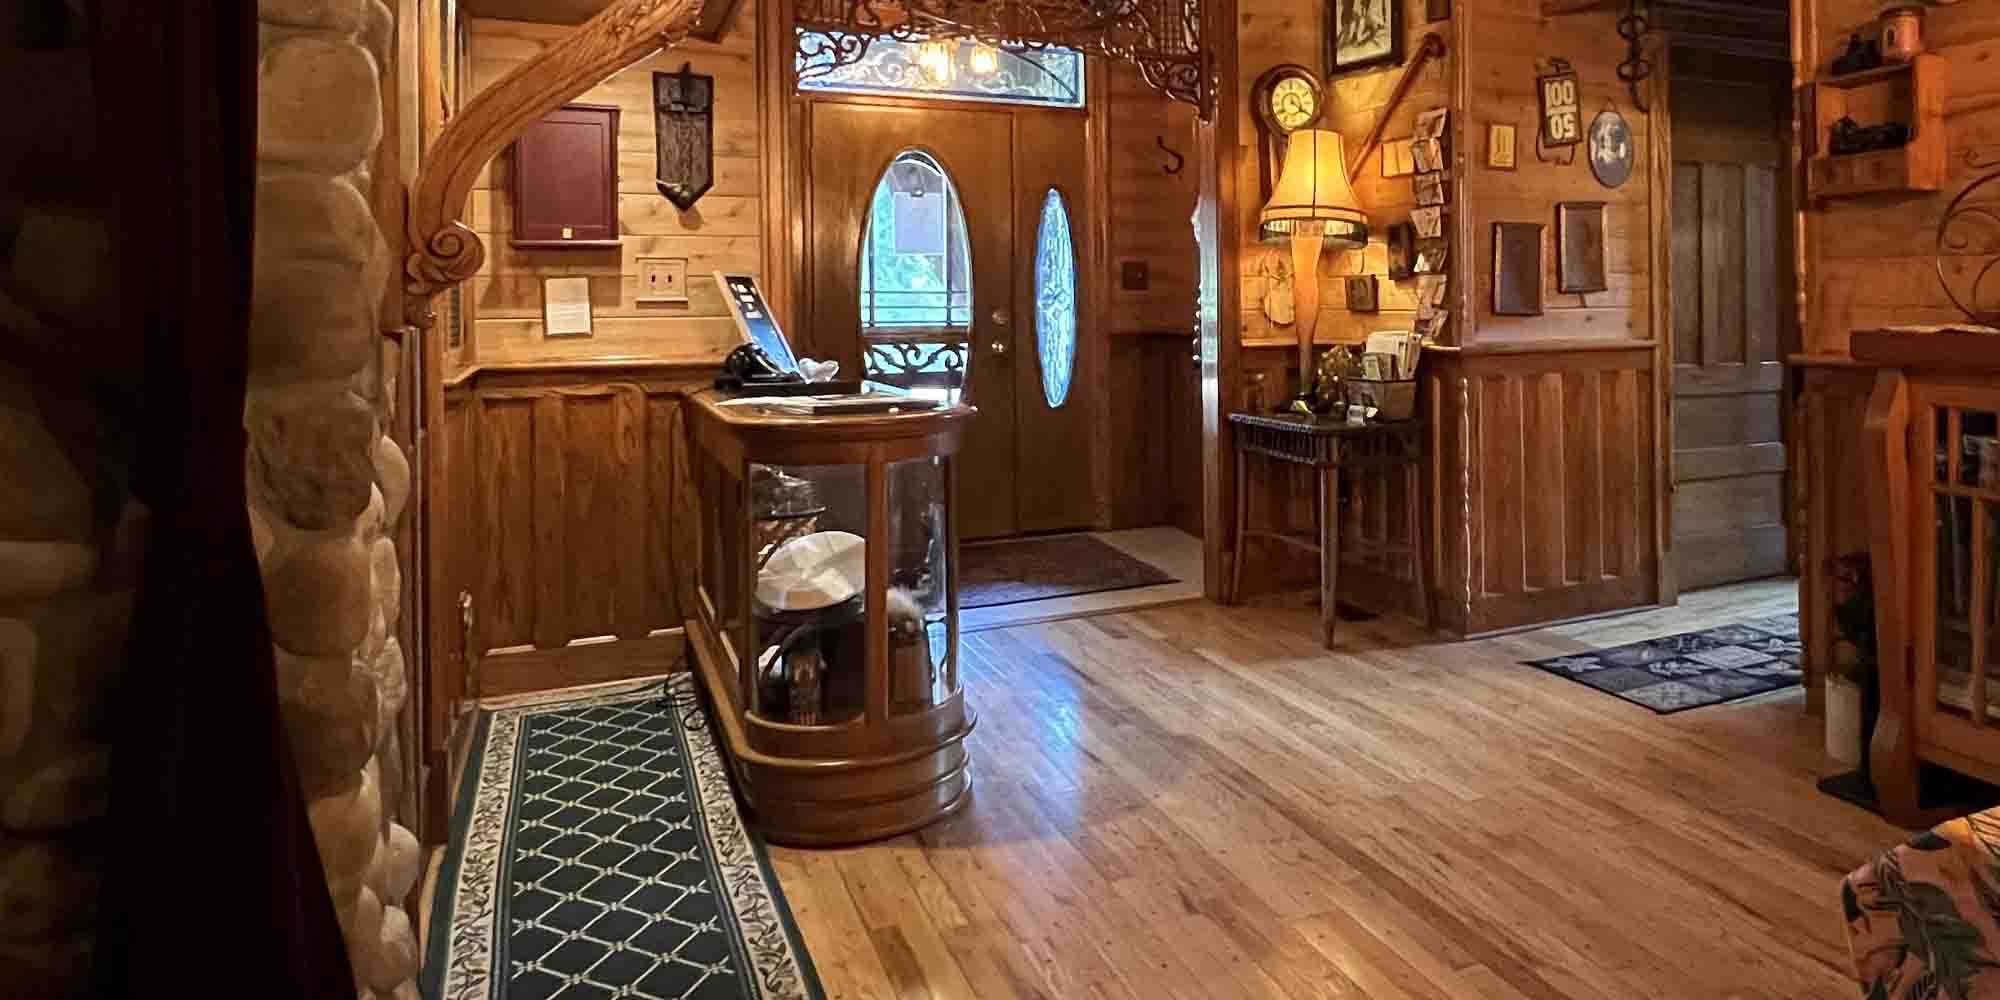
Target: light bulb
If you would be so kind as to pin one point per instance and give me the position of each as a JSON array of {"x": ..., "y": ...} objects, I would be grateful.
[
  {"x": 935, "y": 59},
  {"x": 985, "y": 60}
]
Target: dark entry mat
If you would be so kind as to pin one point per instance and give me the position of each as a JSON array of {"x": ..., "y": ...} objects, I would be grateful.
[{"x": 1036, "y": 569}]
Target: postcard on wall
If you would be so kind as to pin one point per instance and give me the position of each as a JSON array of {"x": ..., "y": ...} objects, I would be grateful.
[
  {"x": 1398, "y": 158},
  {"x": 1430, "y": 124},
  {"x": 1420, "y": 155},
  {"x": 1430, "y": 189},
  {"x": 1429, "y": 222},
  {"x": 566, "y": 307}
]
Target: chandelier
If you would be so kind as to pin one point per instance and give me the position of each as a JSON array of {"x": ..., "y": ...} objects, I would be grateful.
[{"x": 1161, "y": 37}]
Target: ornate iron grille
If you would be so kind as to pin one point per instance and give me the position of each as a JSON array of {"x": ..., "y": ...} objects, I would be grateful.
[{"x": 1161, "y": 37}]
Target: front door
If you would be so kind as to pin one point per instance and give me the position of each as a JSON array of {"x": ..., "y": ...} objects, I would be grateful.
[
  {"x": 1732, "y": 282},
  {"x": 946, "y": 248}
]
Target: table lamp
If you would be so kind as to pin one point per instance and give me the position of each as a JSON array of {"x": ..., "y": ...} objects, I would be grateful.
[{"x": 1315, "y": 205}]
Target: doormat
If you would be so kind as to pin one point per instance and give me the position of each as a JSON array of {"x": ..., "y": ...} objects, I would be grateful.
[
  {"x": 1693, "y": 669},
  {"x": 602, "y": 854},
  {"x": 1019, "y": 570}
]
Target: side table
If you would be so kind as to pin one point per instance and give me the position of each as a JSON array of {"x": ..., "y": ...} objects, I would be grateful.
[{"x": 1329, "y": 445}]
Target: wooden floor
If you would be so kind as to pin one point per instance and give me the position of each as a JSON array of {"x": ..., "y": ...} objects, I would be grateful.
[{"x": 1196, "y": 801}]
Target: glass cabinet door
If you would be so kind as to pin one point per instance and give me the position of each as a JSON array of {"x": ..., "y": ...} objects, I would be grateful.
[
  {"x": 922, "y": 603},
  {"x": 1965, "y": 563},
  {"x": 809, "y": 558}
]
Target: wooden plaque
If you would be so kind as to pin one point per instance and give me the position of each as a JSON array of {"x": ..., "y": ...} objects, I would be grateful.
[
  {"x": 1580, "y": 247},
  {"x": 1517, "y": 269},
  {"x": 684, "y": 112}
]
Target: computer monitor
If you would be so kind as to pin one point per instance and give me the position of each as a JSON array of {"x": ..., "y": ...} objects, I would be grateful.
[{"x": 754, "y": 319}]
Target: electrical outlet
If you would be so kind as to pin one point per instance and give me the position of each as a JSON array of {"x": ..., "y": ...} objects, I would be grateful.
[{"x": 663, "y": 279}]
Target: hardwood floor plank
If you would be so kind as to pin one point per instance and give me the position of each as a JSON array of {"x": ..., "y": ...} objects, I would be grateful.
[{"x": 1200, "y": 802}]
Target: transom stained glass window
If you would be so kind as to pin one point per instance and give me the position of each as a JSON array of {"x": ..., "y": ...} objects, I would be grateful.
[
  {"x": 1055, "y": 300},
  {"x": 954, "y": 68}
]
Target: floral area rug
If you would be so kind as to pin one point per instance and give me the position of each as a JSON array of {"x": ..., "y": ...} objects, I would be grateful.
[
  {"x": 599, "y": 853},
  {"x": 1694, "y": 669}
]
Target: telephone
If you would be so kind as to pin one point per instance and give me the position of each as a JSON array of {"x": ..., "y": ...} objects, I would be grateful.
[{"x": 749, "y": 368}]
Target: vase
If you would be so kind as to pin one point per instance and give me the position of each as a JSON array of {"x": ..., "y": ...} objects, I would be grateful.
[
  {"x": 1843, "y": 721},
  {"x": 1902, "y": 34}
]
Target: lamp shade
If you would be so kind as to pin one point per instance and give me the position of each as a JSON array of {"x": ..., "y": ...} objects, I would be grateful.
[{"x": 1313, "y": 190}]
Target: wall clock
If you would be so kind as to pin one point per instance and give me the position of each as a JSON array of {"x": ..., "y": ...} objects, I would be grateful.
[{"x": 1288, "y": 97}]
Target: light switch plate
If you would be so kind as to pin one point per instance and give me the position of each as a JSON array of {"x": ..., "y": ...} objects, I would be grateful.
[{"x": 663, "y": 279}]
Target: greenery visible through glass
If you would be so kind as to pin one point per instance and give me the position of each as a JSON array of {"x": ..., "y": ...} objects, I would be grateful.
[
  {"x": 955, "y": 68},
  {"x": 916, "y": 264}
]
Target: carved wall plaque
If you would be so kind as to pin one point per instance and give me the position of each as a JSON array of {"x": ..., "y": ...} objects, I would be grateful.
[{"x": 684, "y": 109}]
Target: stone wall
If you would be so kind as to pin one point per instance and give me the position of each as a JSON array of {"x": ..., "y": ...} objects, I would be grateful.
[
  {"x": 326, "y": 485},
  {"x": 69, "y": 533}
]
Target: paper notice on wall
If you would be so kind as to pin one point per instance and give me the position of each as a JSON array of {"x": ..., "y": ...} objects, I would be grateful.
[{"x": 566, "y": 307}]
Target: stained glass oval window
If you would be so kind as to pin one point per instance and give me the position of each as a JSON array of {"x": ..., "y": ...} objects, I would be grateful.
[{"x": 1055, "y": 300}]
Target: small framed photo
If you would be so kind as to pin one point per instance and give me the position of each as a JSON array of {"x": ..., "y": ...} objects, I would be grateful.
[
  {"x": 1362, "y": 34},
  {"x": 1580, "y": 266},
  {"x": 1500, "y": 146},
  {"x": 1362, "y": 294}
]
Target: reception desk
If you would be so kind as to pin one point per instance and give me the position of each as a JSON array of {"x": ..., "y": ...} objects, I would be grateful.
[{"x": 824, "y": 624}]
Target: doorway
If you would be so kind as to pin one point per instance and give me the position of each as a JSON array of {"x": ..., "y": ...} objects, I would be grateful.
[
  {"x": 948, "y": 250},
  {"x": 1733, "y": 284}
]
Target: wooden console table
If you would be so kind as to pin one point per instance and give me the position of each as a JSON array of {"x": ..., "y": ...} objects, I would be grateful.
[{"x": 1329, "y": 445}]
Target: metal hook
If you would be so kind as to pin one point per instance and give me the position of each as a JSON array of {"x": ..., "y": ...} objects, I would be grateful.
[{"x": 1180, "y": 162}]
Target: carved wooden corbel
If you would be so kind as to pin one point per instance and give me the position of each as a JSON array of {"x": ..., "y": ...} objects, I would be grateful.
[{"x": 443, "y": 251}]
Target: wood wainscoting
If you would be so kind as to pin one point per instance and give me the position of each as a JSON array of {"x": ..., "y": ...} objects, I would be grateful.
[
  {"x": 570, "y": 533},
  {"x": 1544, "y": 487}
]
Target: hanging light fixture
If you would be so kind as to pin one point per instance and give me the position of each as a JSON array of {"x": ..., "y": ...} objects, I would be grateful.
[
  {"x": 936, "y": 59},
  {"x": 985, "y": 60}
]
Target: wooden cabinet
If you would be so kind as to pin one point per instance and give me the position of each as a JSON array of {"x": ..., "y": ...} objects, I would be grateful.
[
  {"x": 566, "y": 179},
  {"x": 1933, "y": 436}
]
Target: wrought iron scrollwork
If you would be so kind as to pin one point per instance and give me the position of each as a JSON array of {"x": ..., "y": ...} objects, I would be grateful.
[
  {"x": 1968, "y": 251},
  {"x": 913, "y": 363},
  {"x": 1636, "y": 68},
  {"x": 1161, "y": 37}
]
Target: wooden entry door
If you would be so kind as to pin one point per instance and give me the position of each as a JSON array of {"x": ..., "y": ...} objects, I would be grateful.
[
  {"x": 1732, "y": 283},
  {"x": 1025, "y": 464}
]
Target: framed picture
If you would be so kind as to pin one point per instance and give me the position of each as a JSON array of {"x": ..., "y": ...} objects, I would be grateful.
[
  {"x": 1580, "y": 247},
  {"x": 1361, "y": 294},
  {"x": 1500, "y": 146},
  {"x": 1517, "y": 269},
  {"x": 1363, "y": 33}
]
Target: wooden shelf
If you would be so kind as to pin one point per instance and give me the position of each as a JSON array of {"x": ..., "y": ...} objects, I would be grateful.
[{"x": 1912, "y": 94}]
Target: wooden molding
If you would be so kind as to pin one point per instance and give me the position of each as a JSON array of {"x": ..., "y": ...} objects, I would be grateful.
[{"x": 443, "y": 250}]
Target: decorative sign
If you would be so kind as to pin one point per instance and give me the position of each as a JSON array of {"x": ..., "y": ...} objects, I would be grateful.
[
  {"x": 1562, "y": 115},
  {"x": 684, "y": 113},
  {"x": 1611, "y": 149},
  {"x": 1499, "y": 146}
]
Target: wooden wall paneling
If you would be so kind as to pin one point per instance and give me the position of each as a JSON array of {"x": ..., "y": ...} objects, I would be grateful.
[
  {"x": 726, "y": 230},
  {"x": 1561, "y": 481},
  {"x": 1221, "y": 159},
  {"x": 582, "y": 529}
]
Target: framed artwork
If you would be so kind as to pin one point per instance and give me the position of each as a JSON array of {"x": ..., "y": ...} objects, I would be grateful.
[
  {"x": 1361, "y": 294},
  {"x": 1611, "y": 149},
  {"x": 1517, "y": 269},
  {"x": 1363, "y": 33},
  {"x": 1500, "y": 146},
  {"x": 1580, "y": 247},
  {"x": 566, "y": 307}
]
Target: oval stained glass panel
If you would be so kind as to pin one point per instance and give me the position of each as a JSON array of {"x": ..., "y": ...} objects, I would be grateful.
[{"x": 1055, "y": 300}]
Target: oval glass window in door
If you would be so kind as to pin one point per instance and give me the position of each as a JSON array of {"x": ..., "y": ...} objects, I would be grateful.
[
  {"x": 1055, "y": 300},
  {"x": 916, "y": 280}
]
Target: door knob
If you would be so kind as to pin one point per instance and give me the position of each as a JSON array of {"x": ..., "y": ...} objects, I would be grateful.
[
  {"x": 1001, "y": 317},
  {"x": 998, "y": 347}
]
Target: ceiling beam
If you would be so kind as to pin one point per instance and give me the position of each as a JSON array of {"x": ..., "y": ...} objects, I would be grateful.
[{"x": 715, "y": 14}]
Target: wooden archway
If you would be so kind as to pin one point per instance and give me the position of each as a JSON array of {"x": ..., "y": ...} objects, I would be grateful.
[{"x": 442, "y": 250}]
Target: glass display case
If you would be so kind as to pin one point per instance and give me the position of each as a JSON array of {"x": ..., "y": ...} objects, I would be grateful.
[{"x": 825, "y": 619}]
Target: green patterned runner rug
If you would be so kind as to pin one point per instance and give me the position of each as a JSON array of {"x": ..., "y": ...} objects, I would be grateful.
[{"x": 602, "y": 855}]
